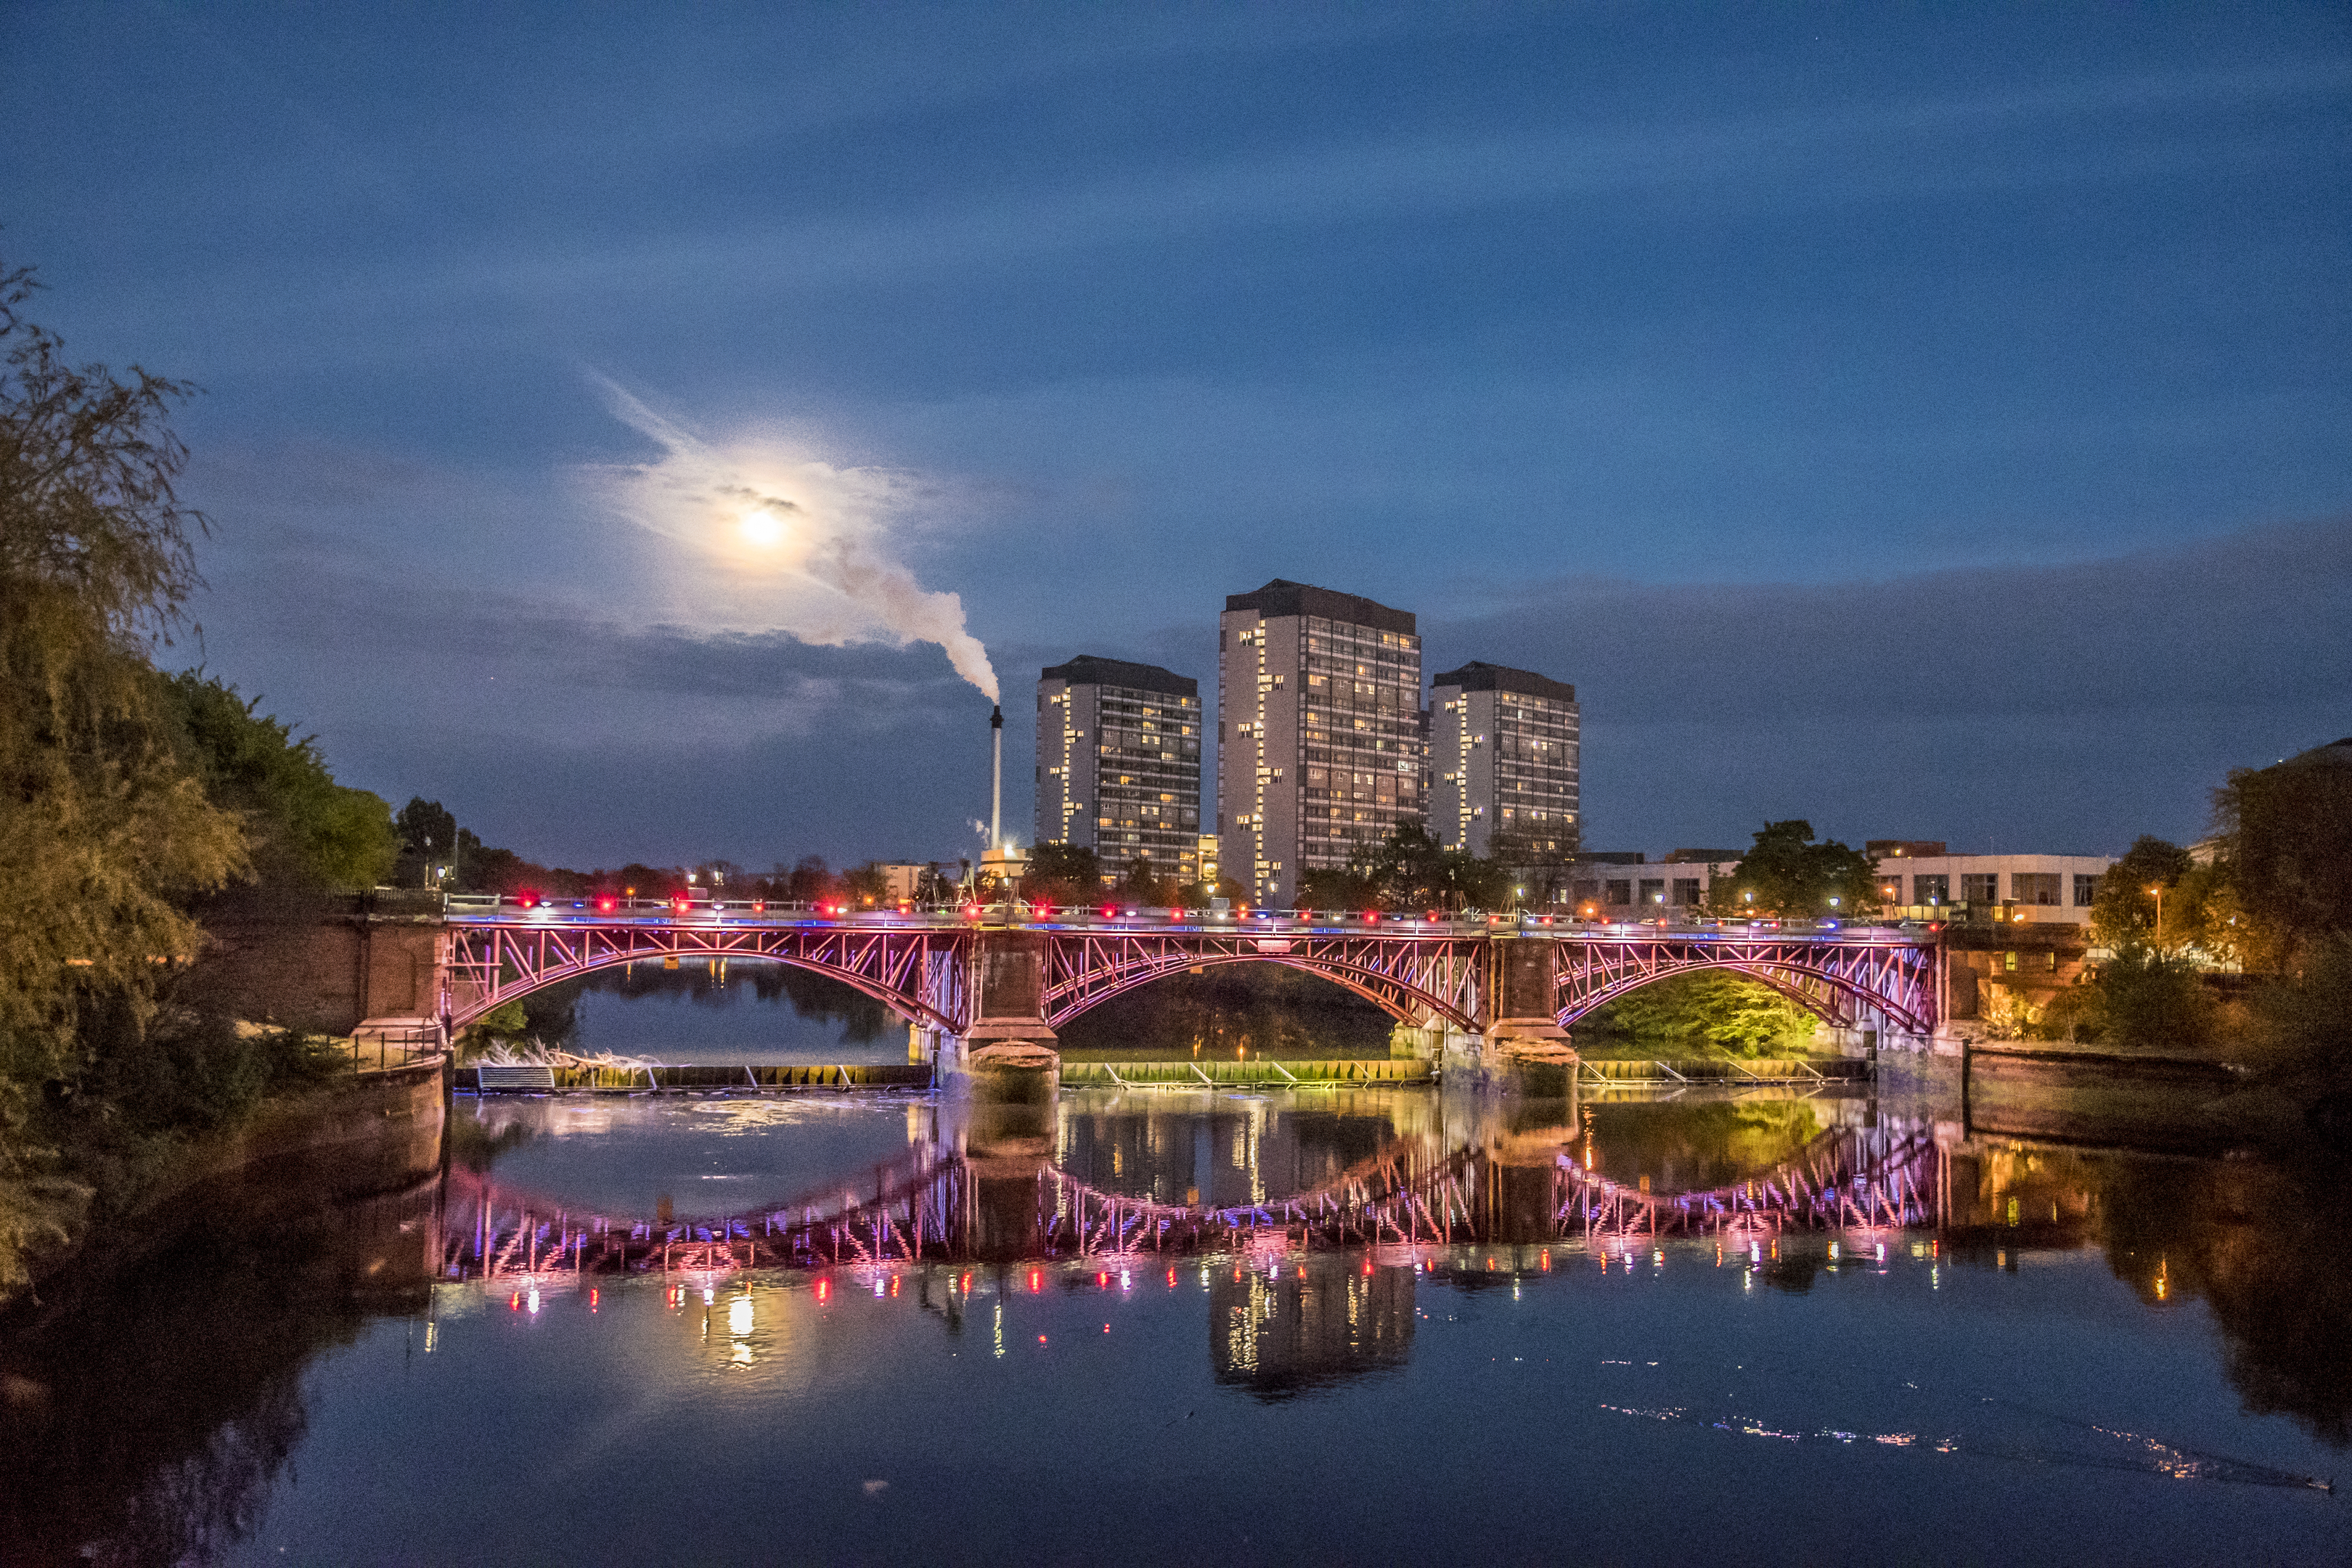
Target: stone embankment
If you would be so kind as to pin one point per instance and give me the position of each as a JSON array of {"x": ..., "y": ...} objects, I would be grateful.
[{"x": 351, "y": 1139}]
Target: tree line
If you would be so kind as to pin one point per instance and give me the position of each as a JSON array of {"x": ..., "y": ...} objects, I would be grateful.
[{"x": 127, "y": 796}]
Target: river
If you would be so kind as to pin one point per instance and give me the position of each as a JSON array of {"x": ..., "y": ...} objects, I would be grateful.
[{"x": 1324, "y": 1325}]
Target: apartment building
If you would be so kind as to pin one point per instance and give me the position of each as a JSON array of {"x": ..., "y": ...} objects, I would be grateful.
[
  {"x": 1119, "y": 763},
  {"x": 1319, "y": 740},
  {"x": 1502, "y": 760}
]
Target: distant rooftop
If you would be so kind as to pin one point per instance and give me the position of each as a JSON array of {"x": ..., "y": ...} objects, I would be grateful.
[
  {"x": 1282, "y": 597},
  {"x": 1702, "y": 857},
  {"x": 1478, "y": 676},
  {"x": 1087, "y": 669}
]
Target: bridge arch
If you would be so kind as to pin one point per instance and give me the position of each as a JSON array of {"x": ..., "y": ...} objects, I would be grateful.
[
  {"x": 1838, "y": 994},
  {"x": 1411, "y": 999},
  {"x": 918, "y": 974}
]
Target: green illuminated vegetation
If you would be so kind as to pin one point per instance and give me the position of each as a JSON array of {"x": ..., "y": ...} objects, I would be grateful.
[{"x": 1710, "y": 1012}]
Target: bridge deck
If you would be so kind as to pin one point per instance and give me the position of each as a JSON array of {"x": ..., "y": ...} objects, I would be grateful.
[{"x": 491, "y": 910}]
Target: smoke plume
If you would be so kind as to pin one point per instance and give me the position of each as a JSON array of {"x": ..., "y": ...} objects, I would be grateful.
[{"x": 786, "y": 542}]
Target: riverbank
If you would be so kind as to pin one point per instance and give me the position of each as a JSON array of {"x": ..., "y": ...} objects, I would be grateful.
[{"x": 347, "y": 1139}]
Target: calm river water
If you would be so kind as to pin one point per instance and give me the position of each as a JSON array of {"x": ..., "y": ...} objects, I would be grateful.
[{"x": 683, "y": 1330}]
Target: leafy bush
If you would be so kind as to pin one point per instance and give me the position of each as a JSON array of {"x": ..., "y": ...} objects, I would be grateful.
[{"x": 2147, "y": 1000}]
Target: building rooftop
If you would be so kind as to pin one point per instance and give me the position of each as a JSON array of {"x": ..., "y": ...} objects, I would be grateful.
[
  {"x": 1704, "y": 856},
  {"x": 1477, "y": 676},
  {"x": 1284, "y": 597},
  {"x": 1902, "y": 848},
  {"x": 2336, "y": 754},
  {"x": 1087, "y": 669}
]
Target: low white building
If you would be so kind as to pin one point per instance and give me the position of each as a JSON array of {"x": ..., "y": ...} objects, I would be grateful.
[
  {"x": 2028, "y": 888},
  {"x": 2036, "y": 890}
]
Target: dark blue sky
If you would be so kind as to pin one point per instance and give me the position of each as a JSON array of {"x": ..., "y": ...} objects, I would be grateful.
[{"x": 1934, "y": 422}]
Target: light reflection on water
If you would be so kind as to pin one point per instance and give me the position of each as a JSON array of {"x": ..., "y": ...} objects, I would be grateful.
[{"x": 2063, "y": 1368}]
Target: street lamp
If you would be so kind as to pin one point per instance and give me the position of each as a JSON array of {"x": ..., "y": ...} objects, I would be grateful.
[{"x": 2158, "y": 891}]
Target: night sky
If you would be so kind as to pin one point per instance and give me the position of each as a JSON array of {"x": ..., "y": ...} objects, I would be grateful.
[{"x": 1934, "y": 422}]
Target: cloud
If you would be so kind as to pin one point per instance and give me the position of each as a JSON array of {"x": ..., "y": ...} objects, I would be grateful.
[{"x": 2073, "y": 706}]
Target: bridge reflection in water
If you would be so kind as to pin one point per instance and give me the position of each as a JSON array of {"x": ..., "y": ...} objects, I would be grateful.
[
  {"x": 1103, "y": 1179},
  {"x": 999, "y": 1231}
]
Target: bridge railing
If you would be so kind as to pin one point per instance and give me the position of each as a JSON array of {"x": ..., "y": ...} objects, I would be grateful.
[
  {"x": 383, "y": 1045},
  {"x": 595, "y": 908}
]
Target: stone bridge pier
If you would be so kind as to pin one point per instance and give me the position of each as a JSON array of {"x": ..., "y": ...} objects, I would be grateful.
[{"x": 1007, "y": 1052}]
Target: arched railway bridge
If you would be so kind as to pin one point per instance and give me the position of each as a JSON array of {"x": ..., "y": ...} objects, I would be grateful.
[
  {"x": 979, "y": 976},
  {"x": 972, "y": 1208}
]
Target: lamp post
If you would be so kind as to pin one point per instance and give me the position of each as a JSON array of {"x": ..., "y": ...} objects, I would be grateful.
[{"x": 2158, "y": 891}]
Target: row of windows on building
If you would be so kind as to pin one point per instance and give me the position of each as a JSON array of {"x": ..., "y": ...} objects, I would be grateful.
[{"x": 2045, "y": 889}]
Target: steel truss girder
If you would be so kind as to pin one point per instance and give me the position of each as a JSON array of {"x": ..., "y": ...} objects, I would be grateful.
[
  {"x": 1840, "y": 982},
  {"x": 922, "y": 974},
  {"x": 1411, "y": 977}
]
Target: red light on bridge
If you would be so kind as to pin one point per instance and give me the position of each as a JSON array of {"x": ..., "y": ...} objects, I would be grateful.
[
  {"x": 605, "y": 906},
  {"x": 971, "y": 911},
  {"x": 1371, "y": 917},
  {"x": 1107, "y": 911},
  {"x": 526, "y": 898},
  {"x": 759, "y": 906}
]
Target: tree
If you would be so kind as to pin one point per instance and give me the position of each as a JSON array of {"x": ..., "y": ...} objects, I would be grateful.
[
  {"x": 868, "y": 884},
  {"x": 2149, "y": 1000},
  {"x": 2124, "y": 912},
  {"x": 1143, "y": 886},
  {"x": 1410, "y": 870},
  {"x": 1791, "y": 875},
  {"x": 1708, "y": 1008},
  {"x": 810, "y": 880},
  {"x": 1062, "y": 874},
  {"x": 1337, "y": 887},
  {"x": 104, "y": 825},
  {"x": 2285, "y": 836},
  {"x": 305, "y": 829},
  {"x": 427, "y": 831}
]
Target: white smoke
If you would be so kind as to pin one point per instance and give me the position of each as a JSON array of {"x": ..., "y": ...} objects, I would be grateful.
[{"x": 786, "y": 540}]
